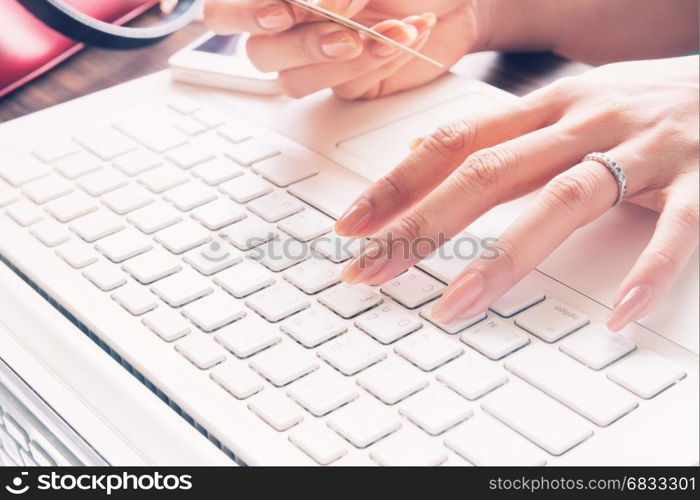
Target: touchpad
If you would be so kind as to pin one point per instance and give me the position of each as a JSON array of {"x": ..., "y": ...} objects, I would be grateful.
[{"x": 384, "y": 147}]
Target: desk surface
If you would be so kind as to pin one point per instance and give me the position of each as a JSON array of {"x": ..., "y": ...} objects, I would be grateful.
[{"x": 95, "y": 69}]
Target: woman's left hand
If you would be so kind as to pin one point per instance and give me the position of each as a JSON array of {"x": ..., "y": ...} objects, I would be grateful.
[{"x": 642, "y": 114}]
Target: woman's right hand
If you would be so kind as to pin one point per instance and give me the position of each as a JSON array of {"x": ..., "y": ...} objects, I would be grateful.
[{"x": 311, "y": 54}]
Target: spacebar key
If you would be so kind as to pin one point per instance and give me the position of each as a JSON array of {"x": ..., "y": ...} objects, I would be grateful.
[
  {"x": 331, "y": 192},
  {"x": 571, "y": 384},
  {"x": 538, "y": 417}
]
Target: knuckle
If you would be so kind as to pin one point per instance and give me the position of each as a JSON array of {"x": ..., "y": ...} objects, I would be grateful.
[
  {"x": 660, "y": 258},
  {"x": 452, "y": 138},
  {"x": 414, "y": 225},
  {"x": 506, "y": 251},
  {"x": 396, "y": 185},
  {"x": 570, "y": 192},
  {"x": 483, "y": 169},
  {"x": 686, "y": 216}
]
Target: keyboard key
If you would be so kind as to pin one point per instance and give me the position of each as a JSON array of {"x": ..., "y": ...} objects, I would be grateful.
[
  {"x": 201, "y": 350},
  {"x": 323, "y": 391},
  {"x": 135, "y": 299},
  {"x": 495, "y": 338},
  {"x": 50, "y": 232},
  {"x": 97, "y": 225},
  {"x": 334, "y": 202},
  {"x": 190, "y": 195},
  {"x": 151, "y": 130},
  {"x": 319, "y": 442},
  {"x": 284, "y": 363},
  {"x": 182, "y": 288},
  {"x": 280, "y": 254},
  {"x": 189, "y": 125},
  {"x": 537, "y": 417},
  {"x": 249, "y": 233},
  {"x": 77, "y": 254},
  {"x": 351, "y": 353},
  {"x": 428, "y": 349},
  {"x": 436, "y": 409},
  {"x": 210, "y": 117},
  {"x": 238, "y": 380},
  {"x": 455, "y": 326},
  {"x": 338, "y": 248},
  {"x": 105, "y": 142},
  {"x": 183, "y": 236},
  {"x": 313, "y": 275},
  {"x": 8, "y": 195},
  {"x": 251, "y": 151},
  {"x": 25, "y": 213},
  {"x": 597, "y": 347},
  {"x": 364, "y": 422},
  {"x": 216, "y": 171},
  {"x": 646, "y": 374},
  {"x": 248, "y": 336},
  {"x": 183, "y": 105},
  {"x": 124, "y": 245},
  {"x": 105, "y": 276},
  {"x": 154, "y": 217},
  {"x": 47, "y": 188},
  {"x": 52, "y": 150},
  {"x": 392, "y": 380},
  {"x": 307, "y": 225},
  {"x": 102, "y": 181},
  {"x": 313, "y": 327},
  {"x": 276, "y": 409},
  {"x": 413, "y": 288},
  {"x": 551, "y": 320},
  {"x": 447, "y": 262},
  {"x": 169, "y": 325},
  {"x": 486, "y": 442},
  {"x": 127, "y": 199},
  {"x": 152, "y": 266},
  {"x": 189, "y": 155},
  {"x": 235, "y": 132},
  {"x": 18, "y": 171},
  {"x": 409, "y": 447},
  {"x": 137, "y": 162},
  {"x": 571, "y": 384},
  {"x": 286, "y": 169},
  {"x": 522, "y": 296},
  {"x": 160, "y": 179},
  {"x": 216, "y": 256},
  {"x": 79, "y": 164},
  {"x": 71, "y": 206},
  {"x": 245, "y": 278},
  {"x": 214, "y": 311},
  {"x": 246, "y": 188},
  {"x": 388, "y": 323},
  {"x": 472, "y": 376},
  {"x": 275, "y": 206},
  {"x": 278, "y": 302},
  {"x": 349, "y": 300}
]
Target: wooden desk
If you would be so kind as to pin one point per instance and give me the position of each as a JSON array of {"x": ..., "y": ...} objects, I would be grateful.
[{"x": 95, "y": 69}]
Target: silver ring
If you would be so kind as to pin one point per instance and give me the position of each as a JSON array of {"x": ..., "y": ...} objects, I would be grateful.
[{"x": 617, "y": 172}]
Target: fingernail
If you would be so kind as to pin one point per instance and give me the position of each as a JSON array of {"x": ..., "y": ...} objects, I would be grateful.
[
  {"x": 404, "y": 33},
  {"x": 459, "y": 297},
  {"x": 341, "y": 45},
  {"x": 426, "y": 22},
  {"x": 274, "y": 17},
  {"x": 630, "y": 308},
  {"x": 364, "y": 266},
  {"x": 355, "y": 219}
]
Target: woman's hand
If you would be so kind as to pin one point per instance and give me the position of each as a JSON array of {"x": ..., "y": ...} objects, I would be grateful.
[
  {"x": 643, "y": 114},
  {"x": 311, "y": 54}
]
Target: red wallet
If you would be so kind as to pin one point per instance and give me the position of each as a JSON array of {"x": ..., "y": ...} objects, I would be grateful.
[{"x": 29, "y": 48}]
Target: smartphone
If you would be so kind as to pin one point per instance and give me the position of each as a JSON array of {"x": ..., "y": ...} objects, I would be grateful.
[{"x": 221, "y": 61}]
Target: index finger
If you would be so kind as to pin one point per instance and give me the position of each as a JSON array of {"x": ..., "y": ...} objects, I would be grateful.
[{"x": 227, "y": 17}]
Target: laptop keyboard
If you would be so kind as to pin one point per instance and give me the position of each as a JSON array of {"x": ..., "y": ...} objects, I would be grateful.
[{"x": 199, "y": 226}]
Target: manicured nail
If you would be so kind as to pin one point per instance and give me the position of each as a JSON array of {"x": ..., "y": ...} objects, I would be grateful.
[
  {"x": 341, "y": 45},
  {"x": 364, "y": 266},
  {"x": 403, "y": 33},
  {"x": 274, "y": 17},
  {"x": 630, "y": 308},
  {"x": 426, "y": 22},
  {"x": 355, "y": 219},
  {"x": 459, "y": 297}
]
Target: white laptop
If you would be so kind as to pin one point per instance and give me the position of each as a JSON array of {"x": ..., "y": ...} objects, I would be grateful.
[{"x": 138, "y": 326}]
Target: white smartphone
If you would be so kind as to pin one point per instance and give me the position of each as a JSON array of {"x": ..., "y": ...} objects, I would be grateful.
[{"x": 221, "y": 61}]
